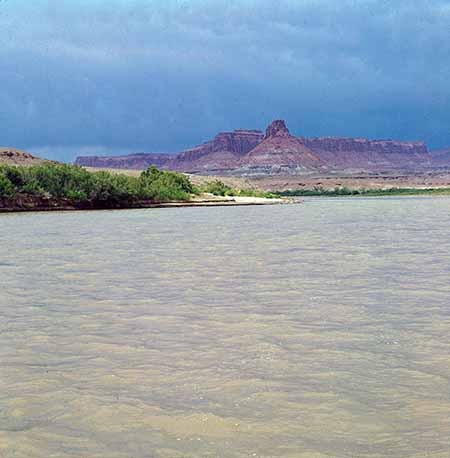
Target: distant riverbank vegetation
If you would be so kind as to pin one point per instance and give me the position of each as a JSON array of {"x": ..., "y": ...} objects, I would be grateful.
[
  {"x": 344, "y": 191},
  {"x": 218, "y": 188}
]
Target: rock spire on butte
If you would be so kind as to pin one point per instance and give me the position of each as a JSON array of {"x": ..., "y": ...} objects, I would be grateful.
[{"x": 277, "y": 128}]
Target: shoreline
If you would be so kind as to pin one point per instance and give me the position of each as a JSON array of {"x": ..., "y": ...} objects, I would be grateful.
[
  {"x": 57, "y": 205},
  {"x": 27, "y": 204}
]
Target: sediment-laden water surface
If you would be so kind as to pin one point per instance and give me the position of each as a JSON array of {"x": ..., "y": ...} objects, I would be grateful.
[{"x": 315, "y": 330}]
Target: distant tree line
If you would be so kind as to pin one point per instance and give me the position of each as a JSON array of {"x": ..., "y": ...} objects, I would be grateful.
[{"x": 344, "y": 191}]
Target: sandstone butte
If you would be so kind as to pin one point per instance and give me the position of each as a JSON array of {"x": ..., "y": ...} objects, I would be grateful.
[{"x": 252, "y": 152}]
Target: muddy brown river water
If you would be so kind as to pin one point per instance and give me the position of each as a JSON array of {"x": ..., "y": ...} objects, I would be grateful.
[{"x": 314, "y": 330}]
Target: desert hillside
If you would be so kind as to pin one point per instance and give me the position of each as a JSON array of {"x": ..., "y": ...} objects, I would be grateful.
[{"x": 12, "y": 156}]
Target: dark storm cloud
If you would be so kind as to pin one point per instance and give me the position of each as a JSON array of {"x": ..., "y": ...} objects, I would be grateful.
[{"x": 159, "y": 76}]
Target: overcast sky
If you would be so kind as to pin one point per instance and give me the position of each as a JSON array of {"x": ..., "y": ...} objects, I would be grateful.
[{"x": 117, "y": 76}]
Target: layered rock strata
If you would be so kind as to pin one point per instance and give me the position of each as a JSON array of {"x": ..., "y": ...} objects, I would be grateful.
[{"x": 243, "y": 152}]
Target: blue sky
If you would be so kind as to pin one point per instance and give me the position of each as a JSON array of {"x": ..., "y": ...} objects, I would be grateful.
[{"x": 99, "y": 77}]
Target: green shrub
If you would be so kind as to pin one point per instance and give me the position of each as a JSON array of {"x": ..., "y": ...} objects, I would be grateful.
[
  {"x": 15, "y": 175},
  {"x": 162, "y": 185},
  {"x": 218, "y": 188},
  {"x": 33, "y": 187},
  {"x": 76, "y": 183},
  {"x": 6, "y": 187},
  {"x": 254, "y": 193}
]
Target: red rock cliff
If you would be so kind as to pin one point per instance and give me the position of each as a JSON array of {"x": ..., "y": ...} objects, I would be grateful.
[
  {"x": 223, "y": 152},
  {"x": 361, "y": 153},
  {"x": 241, "y": 150}
]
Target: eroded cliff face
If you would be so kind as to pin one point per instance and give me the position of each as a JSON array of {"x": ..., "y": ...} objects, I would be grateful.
[
  {"x": 441, "y": 157},
  {"x": 223, "y": 152},
  {"x": 372, "y": 155},
  {"x": 238, "y": 142},
  {"x": 277, "y": 151}
]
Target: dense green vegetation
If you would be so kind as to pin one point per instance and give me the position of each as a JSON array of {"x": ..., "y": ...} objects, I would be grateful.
[
  {"x": 75, "y": 185},
  {"x": 218, "y": 188},
  {"x": 343, "y": 191},
  {"x": 103, "y": 188}
]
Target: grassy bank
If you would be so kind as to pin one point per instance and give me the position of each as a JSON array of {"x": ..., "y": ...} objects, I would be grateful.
[{"x": 343, "y": 191}]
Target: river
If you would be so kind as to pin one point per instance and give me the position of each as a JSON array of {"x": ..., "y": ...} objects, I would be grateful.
[{"x": 316, "y": 330}]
